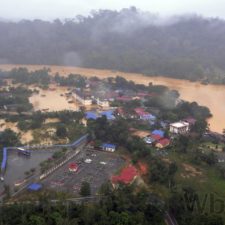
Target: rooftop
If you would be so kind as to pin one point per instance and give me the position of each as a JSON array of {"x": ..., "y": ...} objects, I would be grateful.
[
  {"x": 156, "y": 137},
  {"x": 179, "y": 124},
  {"x": 109, "y": 114},
  {"x": 164, "y": 142},
  {"x": 126, "y": 176},
  {"x": 158, "y": 132},
  {"x": 91, "y": 115},
  {"x": 106, "y": 145},
  {"x": 73, "y": 166},
  {"x": 34, "y": 187}
]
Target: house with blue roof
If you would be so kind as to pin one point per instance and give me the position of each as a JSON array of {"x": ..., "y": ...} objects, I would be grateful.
[
  {"x": 109, "y": 114},
  {"x": 91, "y": 115},
  {"x": 108, "y": 147},
  {"x": 158, "y": 132}
]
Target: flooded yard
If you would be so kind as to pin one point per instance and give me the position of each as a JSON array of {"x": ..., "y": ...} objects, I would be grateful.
[
  {"x": 53, "y": 99},
  {"x": 25, "y": 137}
]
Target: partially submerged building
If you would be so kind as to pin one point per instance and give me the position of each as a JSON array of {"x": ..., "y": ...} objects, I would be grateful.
[
  {"x": 102, "y": 102},
  {"x": 83, "y": 98}
]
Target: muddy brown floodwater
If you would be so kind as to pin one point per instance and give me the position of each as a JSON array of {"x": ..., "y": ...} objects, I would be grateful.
[
  {"x": 212, "y": 96},
  {"x": 53, "y": 99}
]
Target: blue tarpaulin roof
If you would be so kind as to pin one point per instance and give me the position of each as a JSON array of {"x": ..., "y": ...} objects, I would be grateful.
[
  {"x": 158, "y": 132},
  {"x": 109, "y": 115},
  {"x": 91, "y": 115},
  {"x": 34, "y": 187},
  {"x": 105, "y": 145}
]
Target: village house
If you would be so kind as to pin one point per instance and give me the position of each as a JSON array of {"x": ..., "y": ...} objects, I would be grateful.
[
  {"x": 124, "y": 98},
  {"x": 82, "y": 97},
  {"x": 104, "y": 103},
  {"x": 108, "y": 114},
  {"x": 127, "y": 176},
  {"x": 143, "y": 115},
  {"x": 91, "y": 115},
  {"x": 73, "y": 167},
  {"x": 120, "y": 112},
  {"x": 156, "y": 137},
  {"x": 108, "y": 147},
  {"x": 162, "y": 143},
  {"x": 160, "y": 133},
  {"x": 179, "y": 127}
]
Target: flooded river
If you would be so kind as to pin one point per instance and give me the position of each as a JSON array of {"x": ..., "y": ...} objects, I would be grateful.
[{"x": 212, "y": 96}]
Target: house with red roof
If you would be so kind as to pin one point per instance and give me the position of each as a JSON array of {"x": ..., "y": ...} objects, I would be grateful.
[
  {"x": 162, "y": 143},
  {"x": 156, "y": 137},
  {"x": 124, "y": 98},
  {"x": 120, "y": 112},
  {"x": 73, "y": 167},
  {"x": 127, "y": 176},
  {"x": 143, "y": 115}
]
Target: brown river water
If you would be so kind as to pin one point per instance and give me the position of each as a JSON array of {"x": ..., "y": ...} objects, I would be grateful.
[{"x": 212, "y": 96}]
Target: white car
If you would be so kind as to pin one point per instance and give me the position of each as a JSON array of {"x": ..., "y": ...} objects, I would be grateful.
[
  {"x": 103, "y": 163},
  {"x": 2, "y": 178},
  {"x": 87, "y": 160}
]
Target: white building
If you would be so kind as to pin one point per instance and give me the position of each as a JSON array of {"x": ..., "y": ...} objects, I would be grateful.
[
  {"x": 82, "y": 99},
  {"x": 103, "y": 102},
  {"x": 179, "y": 127}
]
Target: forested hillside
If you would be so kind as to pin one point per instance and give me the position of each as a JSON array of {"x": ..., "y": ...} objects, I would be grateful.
[{"x": 129, "y": 40}]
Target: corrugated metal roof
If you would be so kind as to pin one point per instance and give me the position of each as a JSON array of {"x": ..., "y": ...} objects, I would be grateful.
[
  {"x": 91, "y": 115},
  {"x": 158, "y": 132},
  {"x": 109, "y": 115},
  {"x": 106, "y": 145},
  {"x": 34, "y": 187}
]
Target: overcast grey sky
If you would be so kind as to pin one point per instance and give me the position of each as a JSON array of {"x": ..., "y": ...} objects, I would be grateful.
[{"x": 51, "y": 9}]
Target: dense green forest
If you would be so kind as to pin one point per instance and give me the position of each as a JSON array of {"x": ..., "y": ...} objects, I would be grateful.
[{"x": 128, "y": 40}]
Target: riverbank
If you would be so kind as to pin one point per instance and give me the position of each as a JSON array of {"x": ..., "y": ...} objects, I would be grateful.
[{"x": 212, "y": 96}]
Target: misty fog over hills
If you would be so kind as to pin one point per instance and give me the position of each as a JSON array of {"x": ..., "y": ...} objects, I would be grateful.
[{"x": 130, "y": 40}]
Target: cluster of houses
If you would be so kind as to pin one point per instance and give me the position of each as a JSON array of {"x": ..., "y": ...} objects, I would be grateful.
[
  {"x": 158, "y": 139},
  {"x": 137, "y": 113},
  {"x": 86, "y": 98},
  {"x": 101, "y": 94}
]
